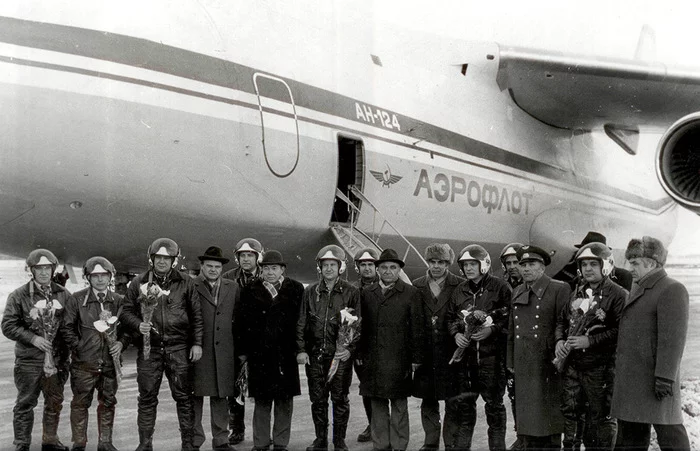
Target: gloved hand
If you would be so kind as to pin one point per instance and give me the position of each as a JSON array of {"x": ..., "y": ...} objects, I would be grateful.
[{"x": 663, "y": 387}]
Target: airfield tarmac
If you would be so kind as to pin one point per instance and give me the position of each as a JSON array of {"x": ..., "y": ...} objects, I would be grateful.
[{"x": 167, "y": 434}]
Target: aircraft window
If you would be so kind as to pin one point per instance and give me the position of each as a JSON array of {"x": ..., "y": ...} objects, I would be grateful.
[{"x": 278, "y": 124}]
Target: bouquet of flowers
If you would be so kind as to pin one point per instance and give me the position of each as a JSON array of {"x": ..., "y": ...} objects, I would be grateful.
[
  {"x": 242, "y": 384},
  {"x": 585, "y": 316},
  {"x": 107, "y": 326},
  {"x": 150, "y": 293},
  {"x": 348, "y": 333},
  {"x": 46, "y": 313},
  {"x": 472, "y": 321}
]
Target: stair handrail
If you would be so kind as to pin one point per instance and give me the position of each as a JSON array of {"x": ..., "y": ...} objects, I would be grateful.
[{"x": 357, "y": 193}]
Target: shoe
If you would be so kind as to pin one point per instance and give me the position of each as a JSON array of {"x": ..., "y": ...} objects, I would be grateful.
[
  {"x": 78, "y": 448},
  {"x": 236, "y": 437},
  {"x": 366, "y": 435},
  {"x": 106, "y": 447},
  {"x": 517, "y": 445},
  {"x": 319, "y": 444},
  {"x": 58, "y": 446},
  {"x": 339, "y": 445}
]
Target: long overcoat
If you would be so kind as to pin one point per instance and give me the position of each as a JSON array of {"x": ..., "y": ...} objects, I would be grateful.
[
  {"x": 531, "y": 345},
  {"x": 432, "y": 378},
  {"x": 391, "y": 339},
  {"x": 650, "y": 344},
  {"x": 214, "y": 372},
  {"x": 268, "y": 339}
]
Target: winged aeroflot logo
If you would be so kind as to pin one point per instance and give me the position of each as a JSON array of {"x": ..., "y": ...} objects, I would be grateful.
[{"x": 386, "y": 177}]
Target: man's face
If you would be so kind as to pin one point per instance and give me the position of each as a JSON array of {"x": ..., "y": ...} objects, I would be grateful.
[
  {"x": 472, "y": 270},
  {"x": 438, "y": 268},
  {"x": 640, "y": 267},
  {"x": 100, "y": 280},
  {"x": 389, "y": 272},
  {"x": 212, "y": 269},
  {"x": 247, "y": 260},
  {"x": 512, "y": 267},
  {"x": 367, "y": 270},
  {"x": 42, "y": 274},
  {"x": 330, "y": 270},
  {"x": 531, "y": 270},
  {"x": 162, "y": 264},
  {"x": 591, "y": 270},
  {"x": 272, "y": 273}
]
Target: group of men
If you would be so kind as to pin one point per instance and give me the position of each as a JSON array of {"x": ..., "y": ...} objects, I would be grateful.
[{"x": 585, "y": 362}]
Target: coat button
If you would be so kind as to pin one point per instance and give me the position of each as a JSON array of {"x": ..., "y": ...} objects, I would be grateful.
[
  {"x": 517, "y": 327},
  {"x": 516, "y": 316},
  {"x": 534, "y": 327},
  {"x": 537, "y": 306},
  {"x": 537, "y": 316},
  {"x": 535, "y": 335},
  {"x": 263, "y": 312},
  {"x": 517, "y": 336}
]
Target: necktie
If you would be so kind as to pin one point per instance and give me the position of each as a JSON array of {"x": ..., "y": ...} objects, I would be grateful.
[{"x": 101, "y": 299}]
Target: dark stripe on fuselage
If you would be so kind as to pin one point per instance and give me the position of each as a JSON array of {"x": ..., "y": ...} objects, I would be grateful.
[{"x": 142, "y": 53}]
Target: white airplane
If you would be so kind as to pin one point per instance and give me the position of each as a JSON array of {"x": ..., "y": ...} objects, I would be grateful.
[{"x": 125, "y": 122}]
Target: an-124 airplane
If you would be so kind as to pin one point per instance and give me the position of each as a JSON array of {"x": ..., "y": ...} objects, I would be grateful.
[{"x": 207, "y": 123}]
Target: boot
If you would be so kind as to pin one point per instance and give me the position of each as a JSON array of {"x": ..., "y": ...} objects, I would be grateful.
[
  {"x": 56, "y": 446},
  {"x": 187, "y": 440},
  {"x": 145, "y": 440},
  {"x": 106, "y": 447},
  {"x": 339, "y": 436},
  {"x": 319, "y": 444},
  {"x": 366, "y": 435}
]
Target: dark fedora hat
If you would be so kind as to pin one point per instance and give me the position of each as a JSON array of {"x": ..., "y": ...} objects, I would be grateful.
[
  {"x": 533, "y": 253},
  {"x": 389, "y": 255},
  {"x": 592, "y": 237},
  {"x": 214, "y": 253},
  {"x": 272, "y": 257}
]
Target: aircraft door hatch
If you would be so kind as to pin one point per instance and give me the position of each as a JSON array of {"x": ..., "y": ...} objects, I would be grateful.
[
  {"x": 278, "y": 123},
  {"x": 350, "y": 172}
]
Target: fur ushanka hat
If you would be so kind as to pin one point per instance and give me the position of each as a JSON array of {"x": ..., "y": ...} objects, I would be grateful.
[
  {"x": 439, "y": 251},
  {"x": 646, "y": 247}
]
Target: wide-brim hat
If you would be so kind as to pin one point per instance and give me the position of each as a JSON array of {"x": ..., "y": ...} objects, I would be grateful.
[
  {"x": 214, "y": 253},
  {"x": 272, "y": 257},
  {"x": 389, "y": 255},
  {"x": 592, "y": 237},
  {"x": 533, "y": 253}
]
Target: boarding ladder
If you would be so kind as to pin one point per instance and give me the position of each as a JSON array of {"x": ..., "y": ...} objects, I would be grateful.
[{"x": 353, "y": 239}]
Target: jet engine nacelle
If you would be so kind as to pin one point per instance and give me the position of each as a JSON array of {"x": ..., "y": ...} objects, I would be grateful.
[{"x": 678, "y": 161}]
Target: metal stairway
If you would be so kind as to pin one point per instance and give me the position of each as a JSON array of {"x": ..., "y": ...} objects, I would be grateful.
[{"x": 352, "y": 239}]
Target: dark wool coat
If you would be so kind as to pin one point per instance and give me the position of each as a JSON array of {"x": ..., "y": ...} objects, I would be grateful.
[
  {"x": 431, "y": 379},
  {"x": 531, "y": 343},
  {"x": 391, "y": 339},
  {"x": 268, "y": 339},
  {"x": 214, "y": 373},
  {"x": 650, "y": 344}
]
